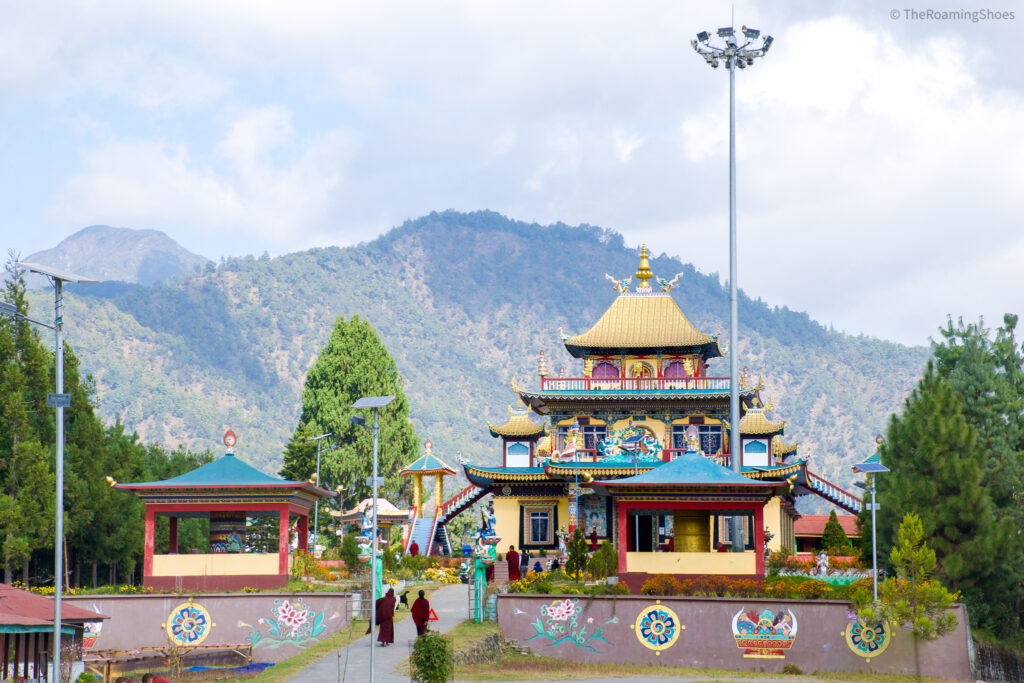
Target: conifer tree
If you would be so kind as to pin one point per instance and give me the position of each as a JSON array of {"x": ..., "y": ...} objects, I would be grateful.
[
  {"x": 833, "y": 538},
  {"x": 577, "y": 549},
  {"x": 937, "y": 473},
  {"x": 988, "y": 376},
  {"x": 353, "y": 364}
]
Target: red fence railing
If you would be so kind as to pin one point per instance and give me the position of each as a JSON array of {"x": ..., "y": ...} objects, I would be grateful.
[{"x": 634, "y": 383}]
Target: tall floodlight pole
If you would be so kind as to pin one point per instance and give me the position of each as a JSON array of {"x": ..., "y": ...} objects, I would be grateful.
[
  {"x": 375, "y": 402},
  {"x": 59, "y": 400},
  {"x": 733, "y": 55},
  {"x": 316, "y": 506}
]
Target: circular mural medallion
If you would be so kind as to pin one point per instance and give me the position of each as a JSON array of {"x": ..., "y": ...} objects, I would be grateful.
[
  {"x": 868, "y": 640},
  {"x": 657, "y": 627},
  {"x": 188, "y": 624}
]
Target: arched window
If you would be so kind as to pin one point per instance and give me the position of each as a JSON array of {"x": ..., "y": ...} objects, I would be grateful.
[
  {"x": 640, "y": 370},
  {"x": 605, "y": 371}
]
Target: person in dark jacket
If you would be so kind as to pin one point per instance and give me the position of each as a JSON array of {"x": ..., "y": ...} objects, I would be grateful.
[{"x": 421, "y": 614}]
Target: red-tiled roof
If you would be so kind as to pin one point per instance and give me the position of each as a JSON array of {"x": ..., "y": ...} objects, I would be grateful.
[
  {"x": 28, "y": 609},
  {"x": 814, "y": 525}
]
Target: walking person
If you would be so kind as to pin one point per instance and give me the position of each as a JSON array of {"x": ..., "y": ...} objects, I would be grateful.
[
  {"x": 421, "y": 614},
  {"x": 524, "y": 562},
  {"x": 513, "y": 563},
  {"x": 384, "y": 614}
]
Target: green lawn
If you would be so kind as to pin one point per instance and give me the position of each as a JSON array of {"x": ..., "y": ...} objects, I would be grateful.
[{"x": 518, "y": 667}]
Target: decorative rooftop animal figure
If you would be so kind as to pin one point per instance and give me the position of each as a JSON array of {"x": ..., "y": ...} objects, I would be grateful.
[
  {"x": 669, "y": 285},
  {"x": 621, "y": 286}
]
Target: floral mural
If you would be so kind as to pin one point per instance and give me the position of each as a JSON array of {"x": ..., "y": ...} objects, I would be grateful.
[
  {"x": 290, "y": 623},
  {"x": 562, "y": 622}
]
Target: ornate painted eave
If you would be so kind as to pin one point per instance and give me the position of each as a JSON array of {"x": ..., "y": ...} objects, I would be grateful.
[
  {"x": 780, "y": 449},
  {"x": 538, "y": 400},
  {"x": 685, "y": 472},
  {"x": 774, "y": 472},
  {"x": 489, "y": 476},
  {"x": 596, "y": 469}
]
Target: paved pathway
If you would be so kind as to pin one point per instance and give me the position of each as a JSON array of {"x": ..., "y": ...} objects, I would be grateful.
[{"x": 352, "y": 663}]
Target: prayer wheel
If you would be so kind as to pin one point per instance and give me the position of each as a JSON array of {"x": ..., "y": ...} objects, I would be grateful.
[{"x": 692, "y": 531}]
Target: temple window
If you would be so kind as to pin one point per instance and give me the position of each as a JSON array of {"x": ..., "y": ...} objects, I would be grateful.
[
  {"x": 709, "y": 436},
  {"x": 517, "y": 454},
  {"x": 592, "y": 434},
  {"x": 680, "y": 368},
  {"x": 539, "y": 527},
  {"x": 605, "y": 371},
  {"x": 755, "y": 452}
]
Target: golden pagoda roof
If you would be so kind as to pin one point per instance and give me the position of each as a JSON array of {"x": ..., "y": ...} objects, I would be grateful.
[
  {"x": 779, "y": 448},
  {"x": 519, "y": 424},
  {"x": 756, "y": 423},
  {"x": 642, "y": 321}
]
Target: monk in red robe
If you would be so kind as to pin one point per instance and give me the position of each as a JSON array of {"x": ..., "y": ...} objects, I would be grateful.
[
  {"x": 421, "y": 614},
  {"x": 385, "y": 617},
  {"x": 513, "y": 563},
  {"x": 414, "y": 549}
]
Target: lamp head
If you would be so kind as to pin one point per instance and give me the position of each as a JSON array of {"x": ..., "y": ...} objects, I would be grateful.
[
  {"x": 703, "y": 36},
  {"x": 358, "y": 420},
  {"x": 751, "y": 33},
  {"x": 768, "y": 40}
]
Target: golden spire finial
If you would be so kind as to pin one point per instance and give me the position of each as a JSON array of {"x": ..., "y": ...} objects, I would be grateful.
[{"x": 643, "y": 272}]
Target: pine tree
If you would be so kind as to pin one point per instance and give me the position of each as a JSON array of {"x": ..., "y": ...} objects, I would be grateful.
[
  {"x": 937, "y": 473},
  {"x": 911, "y": 599},
  {"x": 353, "y": 364},
  {"x": 300, "y": 455},
  {"x": 988, "y": 376},
  {"x": 833, "y": 538}
]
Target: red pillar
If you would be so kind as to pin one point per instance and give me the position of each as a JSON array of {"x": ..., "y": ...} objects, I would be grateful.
[
  {"x": 147, "y": 562},
  {"x": 282, "y": 541},
  {"x": 623, "y": 537},
  {"x": 172, "y": 535},
  {"x": 304, "y": 532},
  {"x": 759, "y": 538}
]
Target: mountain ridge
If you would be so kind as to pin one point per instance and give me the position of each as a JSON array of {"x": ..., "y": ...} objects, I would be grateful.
[{"x": 463, "y": 302}]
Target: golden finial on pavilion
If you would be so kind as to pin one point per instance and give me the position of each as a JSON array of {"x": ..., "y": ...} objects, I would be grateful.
[
  {"x": 771, "y": 405},
  {"x": 515, "y": 385},
  {"x": 542, "y": 364},
  {"x": 643, "y": 272}
]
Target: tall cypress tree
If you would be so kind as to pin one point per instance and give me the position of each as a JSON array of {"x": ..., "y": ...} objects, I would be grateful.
[
  {"x": 354, "y": 364},
  {"x": 833, "y": 538},
  {"x": 937, "y": 473}
]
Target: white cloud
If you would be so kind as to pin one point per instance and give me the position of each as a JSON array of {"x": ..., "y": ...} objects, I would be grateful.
[{"x": 874, "y": 158}]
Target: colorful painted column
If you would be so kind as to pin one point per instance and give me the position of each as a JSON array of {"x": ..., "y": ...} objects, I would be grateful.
[
  {"x": 147, "y": 557},
  {"x": 438, "y": 490}
]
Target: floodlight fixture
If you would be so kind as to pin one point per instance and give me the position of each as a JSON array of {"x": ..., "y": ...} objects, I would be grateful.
[
  {"x": 358, "y": 420},
  {"x": 703, "y": 36},
  {"x": 751, "y": 33},
  {"x": 726, "y": 32},
  {"x": 768, "y": 40}
]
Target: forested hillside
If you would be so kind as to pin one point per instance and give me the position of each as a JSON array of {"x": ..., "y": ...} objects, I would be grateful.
[{"x": 463, "y": 303}]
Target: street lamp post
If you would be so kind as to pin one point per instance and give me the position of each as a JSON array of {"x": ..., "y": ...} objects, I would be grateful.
[
  {"x": 375, "y": 402},
  {"x": 870, "y": 469},
  {"x": 316, "y": 506},
  {"x": 59, "y": 400},
  {"x": 733, "y": 55}
]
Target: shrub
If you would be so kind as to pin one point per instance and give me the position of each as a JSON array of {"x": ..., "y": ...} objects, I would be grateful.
[
  {"x": 812, "y": 589},
  {"x": 792, "y": 669},
  {"x": 780, "y": 560},
  {"x": 431, "y": 659},
  {"x": 578, "y": 547},
  {"x": 349, "y": 552},
  {"x": 604, "y": 562},
  {"x": 662, "y": 585}
]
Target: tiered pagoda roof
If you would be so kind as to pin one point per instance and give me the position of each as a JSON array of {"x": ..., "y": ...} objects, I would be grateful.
[
  {"x": 427, "y": 464},
  {"x": 756, "y": 423},
  {"x": 519, "y": 424}
]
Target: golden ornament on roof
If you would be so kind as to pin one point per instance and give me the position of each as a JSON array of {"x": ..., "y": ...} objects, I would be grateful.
[
  {"x": 643, "y": 272},
  {"x": 669, "y": 285},
  {"x": 620, "y": 286}
]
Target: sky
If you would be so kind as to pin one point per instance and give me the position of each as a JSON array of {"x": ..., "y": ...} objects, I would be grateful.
[{"x": 880, "y": 154}]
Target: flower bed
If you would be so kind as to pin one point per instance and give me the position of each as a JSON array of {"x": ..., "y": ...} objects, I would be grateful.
[{"x": 771, "y": 587}]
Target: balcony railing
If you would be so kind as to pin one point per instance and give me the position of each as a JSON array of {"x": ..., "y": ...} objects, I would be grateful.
[{"x": 634, "y": 383}]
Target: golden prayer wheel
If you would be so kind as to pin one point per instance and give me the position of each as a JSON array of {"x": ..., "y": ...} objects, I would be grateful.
[{"x": 692, "y": 531}]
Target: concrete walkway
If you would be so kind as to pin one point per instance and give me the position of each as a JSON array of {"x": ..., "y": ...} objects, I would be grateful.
[{"x": 352, "y": 663}]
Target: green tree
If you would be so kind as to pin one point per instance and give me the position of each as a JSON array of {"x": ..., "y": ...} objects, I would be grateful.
[
  {"x": 833, "y": 538},
  {"x": 354, "y": 364},
  {"x": 300, "y": 455},
  {"x": 987, "y": 374},
  {"x": 937, "y": 474},
  {"x": 912, "y": 599},
  {"x": 577, "y": 548}
]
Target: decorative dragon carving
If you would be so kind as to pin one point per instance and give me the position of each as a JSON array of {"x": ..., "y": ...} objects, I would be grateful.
[
  {"x": 621, "y": 286},
  {"x": 669, "y": 285}
]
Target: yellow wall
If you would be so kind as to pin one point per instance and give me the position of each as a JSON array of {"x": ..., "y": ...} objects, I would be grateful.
[
  {"x": 216, "y": 564},
  {"x": 508, "y": 517},
  {"x": 774, "y": 522},
  {"x": 692, "y": 563}
]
